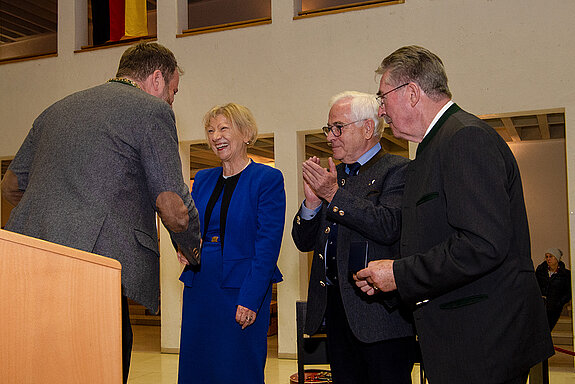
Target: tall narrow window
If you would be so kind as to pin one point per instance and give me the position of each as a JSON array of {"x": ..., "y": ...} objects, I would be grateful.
[
  {"x": 213, "y": 15},
  {"x": 28, "y": 29},
  {"x": 113, "y": 21}
]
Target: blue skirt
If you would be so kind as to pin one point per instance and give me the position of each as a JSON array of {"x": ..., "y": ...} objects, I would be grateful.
[{"x": 213, "y": 347}]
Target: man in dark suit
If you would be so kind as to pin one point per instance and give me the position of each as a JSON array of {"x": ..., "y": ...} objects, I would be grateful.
[
  {"x": 97, "y": 166},
  {"x": 465, "y": 264},
  {"x": 349, "y": 217}
]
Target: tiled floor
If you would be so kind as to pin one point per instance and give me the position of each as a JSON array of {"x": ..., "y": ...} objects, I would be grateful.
[{"x": 149, "y": 366}]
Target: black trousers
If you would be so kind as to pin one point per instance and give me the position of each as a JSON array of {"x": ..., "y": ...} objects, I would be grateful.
[
  {"x": 521, "y": 379},
  {"x": 355, "y": 362},
  {"x": 553, "y": 315},
  {"x": 127, "y": 339}
]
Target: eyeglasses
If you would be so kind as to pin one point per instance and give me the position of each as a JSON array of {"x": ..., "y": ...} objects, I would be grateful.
[
  {"x": 381, "y": 96},
  {"x": 336, "y": 127}
]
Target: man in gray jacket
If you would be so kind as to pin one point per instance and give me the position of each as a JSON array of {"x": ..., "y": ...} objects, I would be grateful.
[{"x": 97, "y": 166}]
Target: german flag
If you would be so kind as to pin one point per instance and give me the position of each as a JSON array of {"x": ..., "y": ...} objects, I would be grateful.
[{"x": 114, "y": 20}]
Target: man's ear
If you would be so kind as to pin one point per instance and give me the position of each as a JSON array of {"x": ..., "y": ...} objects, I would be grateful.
[
  {"x": 415, "y": 93},
  {"x": 154, "y": 83},
  {"x": 369, "y": 129},
  {"x": 158, "y": 81}
]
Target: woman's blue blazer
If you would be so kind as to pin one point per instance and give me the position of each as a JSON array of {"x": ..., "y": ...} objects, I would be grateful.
[{"x": 254, "y": 230}]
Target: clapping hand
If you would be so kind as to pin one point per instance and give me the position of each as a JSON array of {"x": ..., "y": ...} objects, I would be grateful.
[{"x": 320, "y": 182}]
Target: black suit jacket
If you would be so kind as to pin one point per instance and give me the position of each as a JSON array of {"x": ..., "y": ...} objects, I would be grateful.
[
  {"x": 367, "y": 209},
  {"x": 466, "y": 260}
]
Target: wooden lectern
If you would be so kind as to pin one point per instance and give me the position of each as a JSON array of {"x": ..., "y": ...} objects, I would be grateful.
[{"x": 61, "y": 314}]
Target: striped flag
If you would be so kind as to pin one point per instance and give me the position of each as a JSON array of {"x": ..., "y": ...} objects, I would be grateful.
[
  {"x": 136, "y": 19},
  {"x": 117, "y": 18},
  {"x": 100, "y": 21},
  {"x": 113, "y": 20}
]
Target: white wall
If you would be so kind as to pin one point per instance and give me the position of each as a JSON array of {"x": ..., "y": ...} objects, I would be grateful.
[
  {"x": 500, "y": 55},
  {"x": 544, "y": 177}
]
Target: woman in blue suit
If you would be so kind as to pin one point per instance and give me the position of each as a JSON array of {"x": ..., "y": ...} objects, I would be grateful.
[{"x": 226, "y": 307}]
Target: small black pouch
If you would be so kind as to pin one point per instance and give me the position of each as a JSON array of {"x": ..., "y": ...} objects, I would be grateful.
[{"x": 357, "y": 256}]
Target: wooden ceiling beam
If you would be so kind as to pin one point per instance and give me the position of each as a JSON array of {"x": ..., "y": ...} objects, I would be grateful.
[
  {"x": 309, "y": 151},
  {"x": 508, "y": 123},
  {"x": 543, "y": 127},
  {"x": 7, "y": 39},
  {"x": 262, "y": 149},
  {"x": 260, "y": 152},
  {"x": 16, "y": 28},
  {"x": 205, "y": 156},
  {"x": 266, "y": 140},
  {"x": 320, "y": 148},
  {"x": 315, "y": 138},
  {"x": 40, "y": 8},
  {"x": 12, "y": 31},
  {"x": 13, "y": 13},
  {"x": 522, "y": 113}
]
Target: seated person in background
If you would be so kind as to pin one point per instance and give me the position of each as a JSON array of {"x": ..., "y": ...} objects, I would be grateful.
[{"x": 555, "y": 284}]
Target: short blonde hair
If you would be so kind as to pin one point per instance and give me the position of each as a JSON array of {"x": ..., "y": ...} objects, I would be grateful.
[{"x": 238, "y": 116}]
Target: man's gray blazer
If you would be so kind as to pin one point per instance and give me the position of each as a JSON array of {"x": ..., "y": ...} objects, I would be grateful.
[
  {"x": 366, "y": 208},
  {"x": 92, "y": 167}
]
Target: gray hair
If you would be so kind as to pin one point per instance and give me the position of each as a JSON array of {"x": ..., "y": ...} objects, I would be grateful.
[
  {"x": 419, "y": 65},
  {"x": 363, "y": 106}
]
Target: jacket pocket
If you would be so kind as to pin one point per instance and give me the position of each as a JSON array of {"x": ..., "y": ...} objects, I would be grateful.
[
  {"x": 146, "y": 241},
  {"x": 427, "y": 197},
  {"x": 470, "y": 300},
  {"x": 234, "y": 272}
]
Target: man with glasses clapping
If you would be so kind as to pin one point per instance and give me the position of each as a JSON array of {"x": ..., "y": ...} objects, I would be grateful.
[{"x": 351, "y": 215}]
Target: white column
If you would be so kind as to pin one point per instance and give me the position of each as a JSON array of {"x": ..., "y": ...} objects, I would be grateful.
[{"x": 170, "y": 285}]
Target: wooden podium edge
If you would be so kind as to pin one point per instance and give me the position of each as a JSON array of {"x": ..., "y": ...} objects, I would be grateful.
[{"x": 62, "y": 250}]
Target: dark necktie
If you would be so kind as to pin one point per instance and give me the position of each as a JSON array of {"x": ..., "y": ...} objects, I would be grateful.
[
  {"x": 353, "y": 168},
  {"x": 331, "y": 249}
]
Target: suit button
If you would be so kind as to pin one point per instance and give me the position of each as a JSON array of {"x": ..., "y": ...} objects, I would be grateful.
[
  {"x": 322, "y": 283},
  {"x": 341, "y": 213},
  {"x": 320, "y": 256},
  {"x": 335, "y": 209},
  {"x": 342, "y": 182},
  {"x": 298, "y": 220},
  {"x": 327, "y": 229}
]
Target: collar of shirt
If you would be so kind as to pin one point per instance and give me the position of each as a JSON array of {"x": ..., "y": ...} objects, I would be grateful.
[
  {"x": 367, "y": 156},
  {"x": 439, "y": 114}
]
